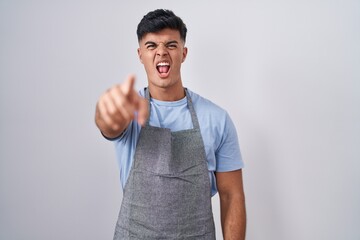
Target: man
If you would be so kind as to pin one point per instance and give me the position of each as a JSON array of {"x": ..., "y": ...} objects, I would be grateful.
[{"x": 175, "y": 149}]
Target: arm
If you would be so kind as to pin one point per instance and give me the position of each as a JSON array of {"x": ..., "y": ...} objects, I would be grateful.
[
  {"x": 115, "y": 108},
  {"x": 232, "y": 204}
]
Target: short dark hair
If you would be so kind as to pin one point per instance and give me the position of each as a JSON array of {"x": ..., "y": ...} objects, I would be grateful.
[{"x": 158, "y": 20}]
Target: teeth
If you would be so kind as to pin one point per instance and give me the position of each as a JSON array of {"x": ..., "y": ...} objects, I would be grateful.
[{"x": 163, "y": 64}]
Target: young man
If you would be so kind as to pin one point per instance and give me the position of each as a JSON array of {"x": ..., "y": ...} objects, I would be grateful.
[{"x": 175, "y": 149}]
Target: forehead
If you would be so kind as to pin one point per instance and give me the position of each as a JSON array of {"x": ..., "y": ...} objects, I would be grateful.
[{"x": 164, "y": 35}]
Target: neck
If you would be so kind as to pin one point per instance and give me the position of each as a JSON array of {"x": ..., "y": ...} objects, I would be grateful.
[{"x": 174, "y": 93}]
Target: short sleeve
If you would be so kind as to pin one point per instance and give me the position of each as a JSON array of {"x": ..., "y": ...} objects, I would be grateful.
[{"x": 228, "y": 155}]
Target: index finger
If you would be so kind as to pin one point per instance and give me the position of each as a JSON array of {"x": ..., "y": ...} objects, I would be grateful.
[{"x": 128, "y": 85}]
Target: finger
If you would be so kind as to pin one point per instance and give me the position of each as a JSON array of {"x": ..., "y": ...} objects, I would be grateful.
[
  {"x": 122, "y": 103},
  {"x": 128, "y": 86},
  {"x": 107, "y": 119},
  {"x": 109, "y": 104},
  {"x": 113, "y": 113}
]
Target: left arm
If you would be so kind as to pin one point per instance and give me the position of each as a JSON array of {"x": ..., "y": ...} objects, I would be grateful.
[{"x": 232, "y": 204}]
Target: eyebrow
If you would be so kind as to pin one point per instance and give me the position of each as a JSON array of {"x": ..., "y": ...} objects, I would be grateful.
[{"x": 166, "y": 43}]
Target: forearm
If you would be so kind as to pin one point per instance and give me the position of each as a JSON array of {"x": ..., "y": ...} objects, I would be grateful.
[{"x": 233, "y": 216}]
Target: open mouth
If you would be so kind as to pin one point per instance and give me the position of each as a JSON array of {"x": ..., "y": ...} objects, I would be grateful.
[{"x": 163, "y": 67}]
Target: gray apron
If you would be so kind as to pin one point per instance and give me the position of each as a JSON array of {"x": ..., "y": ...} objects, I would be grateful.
[{"x": 167, "y": 194}]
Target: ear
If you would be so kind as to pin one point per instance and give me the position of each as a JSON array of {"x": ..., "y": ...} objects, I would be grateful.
[
  {"x": 139, "y": 54},
  {"x": 185, "y": 51}
]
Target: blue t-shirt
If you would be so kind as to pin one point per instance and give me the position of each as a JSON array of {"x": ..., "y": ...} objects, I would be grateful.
[{"x": 217, "y": 130}]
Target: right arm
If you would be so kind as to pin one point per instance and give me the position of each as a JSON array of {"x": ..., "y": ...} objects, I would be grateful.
[{"x": 116, "y": 107}]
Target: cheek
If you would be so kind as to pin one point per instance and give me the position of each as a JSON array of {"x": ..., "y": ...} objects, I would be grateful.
[
  {"x": 146, "y": 57},
  {"x": 179, "y": 60},
  {"x": 147, "y": 61},
  {"x": 148, "y": 66}
]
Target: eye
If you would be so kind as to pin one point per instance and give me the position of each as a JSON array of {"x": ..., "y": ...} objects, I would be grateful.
[
  {"x": 150, "y": 46},
  {"x": 172, "y": 46}
]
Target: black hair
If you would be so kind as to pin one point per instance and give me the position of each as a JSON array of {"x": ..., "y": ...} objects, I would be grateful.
[{"x": 158, "y": 20}]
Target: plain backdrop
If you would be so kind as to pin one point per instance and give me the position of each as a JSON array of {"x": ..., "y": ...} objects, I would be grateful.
[{"x": 288, "y": 73}]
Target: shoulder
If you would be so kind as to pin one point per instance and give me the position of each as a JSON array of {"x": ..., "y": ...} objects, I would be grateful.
[
  {"x": 204, "y": 106},
  {"x": 215, "y": 122}
]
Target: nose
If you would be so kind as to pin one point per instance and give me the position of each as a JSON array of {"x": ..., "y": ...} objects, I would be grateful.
[{"x": 161, "y": 50}]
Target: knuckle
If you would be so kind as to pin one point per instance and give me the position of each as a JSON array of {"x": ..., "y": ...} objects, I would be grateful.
[{"x": 112, "y": 111}]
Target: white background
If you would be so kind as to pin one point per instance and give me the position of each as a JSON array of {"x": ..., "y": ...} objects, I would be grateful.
[{"x": 288, "y": 73}]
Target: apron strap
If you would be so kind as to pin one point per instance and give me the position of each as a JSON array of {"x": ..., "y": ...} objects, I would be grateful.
[{"x": 192, "y": 110}]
